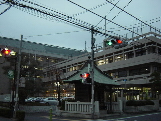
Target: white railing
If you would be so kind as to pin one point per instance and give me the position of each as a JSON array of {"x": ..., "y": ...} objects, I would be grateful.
[
  {"x": 81, "y": 107},
  {"x": 114, "y": 107}
]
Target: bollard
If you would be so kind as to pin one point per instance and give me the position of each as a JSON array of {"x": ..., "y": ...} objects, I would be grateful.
[{"x": 51, "y": 113}]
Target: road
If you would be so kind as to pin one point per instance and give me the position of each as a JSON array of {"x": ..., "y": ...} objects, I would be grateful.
[
  {"x": 125, "y": 117},
  {"x": 142, "y": 117}
]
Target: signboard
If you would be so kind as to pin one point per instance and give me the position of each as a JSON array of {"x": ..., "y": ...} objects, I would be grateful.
[{"x": 10, "y": 74}]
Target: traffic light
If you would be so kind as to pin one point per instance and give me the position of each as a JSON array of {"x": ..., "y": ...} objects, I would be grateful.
[
  {"x": 86, "y": 78},
  {"x": 5, "y": 51},
  {"x": 119, "y": 41},
  {"x": 110, "y": 42},
  {"x": 115, "y": 42}
]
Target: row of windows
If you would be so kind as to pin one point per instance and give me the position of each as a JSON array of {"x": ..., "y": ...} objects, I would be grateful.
[
  {"x": 138, "y": 70},
  {"x": 127, "y": 55},
  {"x": 122, "y": 55}
]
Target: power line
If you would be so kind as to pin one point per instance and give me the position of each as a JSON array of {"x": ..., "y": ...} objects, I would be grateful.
[
  {"x": 54, "y": 14},
  {"x": 131, "y": 15},
  {"x": 93, "y": 8},
  {"x": 102, "y": 17},
  {"x": 5, "y": 10},
  {"x": 120, "y": 11}
]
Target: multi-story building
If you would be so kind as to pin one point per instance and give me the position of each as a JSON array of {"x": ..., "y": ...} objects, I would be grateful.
[
  {"x": 45, "y": 54},
  {"x": 131, "y": 65}
]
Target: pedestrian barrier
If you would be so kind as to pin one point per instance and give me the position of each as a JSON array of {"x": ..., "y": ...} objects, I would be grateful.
[{"x": 81, "y": 107}]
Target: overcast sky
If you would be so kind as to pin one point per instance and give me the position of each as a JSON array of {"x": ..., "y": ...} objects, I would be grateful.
[{"x": 16, "y": 22}]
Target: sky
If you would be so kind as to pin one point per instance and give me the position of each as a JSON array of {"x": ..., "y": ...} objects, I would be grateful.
[{"x": 16, "y": 22}]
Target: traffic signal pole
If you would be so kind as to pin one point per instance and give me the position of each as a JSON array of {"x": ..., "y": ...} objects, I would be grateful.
[
  {"x": 18, "y": 77},
  {"x": 92, "y": 71}
]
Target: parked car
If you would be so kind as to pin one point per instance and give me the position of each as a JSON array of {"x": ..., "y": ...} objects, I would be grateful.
[
  {"x": 31, "y": 99},
  {"x": 50, "y": 101},
  {"x": 67, "y": 98}
]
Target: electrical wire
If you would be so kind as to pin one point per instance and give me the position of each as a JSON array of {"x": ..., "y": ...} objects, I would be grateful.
[
  {"x": 5, "y": 10},
  {"x": 131, "y": 15},
  {"x": 120, "y": 11},
  {"x": 103, "y": 17}
]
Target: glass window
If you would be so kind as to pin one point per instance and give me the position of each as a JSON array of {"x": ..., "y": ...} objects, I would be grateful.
[
  {"x": 118, "y": 57},
  {"x": 100, "y": 62},
  {"x": 110, "y": 59},
  {"x": 122, "y": 73},
  {"x": 152, "y": 49},
  {"x": 130, "y": 54},
  {"x": 140, "y": 52}
]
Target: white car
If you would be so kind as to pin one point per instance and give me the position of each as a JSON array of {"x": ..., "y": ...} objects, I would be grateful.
[{"x": 50, "y": 101}]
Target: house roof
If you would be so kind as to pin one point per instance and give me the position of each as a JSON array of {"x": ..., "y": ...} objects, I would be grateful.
[{"x": 99, "y": 76}]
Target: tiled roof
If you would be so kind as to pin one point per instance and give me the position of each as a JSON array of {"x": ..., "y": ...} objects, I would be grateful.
[
  {"x": 27, "y": 45},
  {"x": 99, "y": 76}
]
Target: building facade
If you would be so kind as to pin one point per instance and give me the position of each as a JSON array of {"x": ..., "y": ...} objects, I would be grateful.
[
  {"x": 131, "y": 65},
  {"x": 45, "y": 54}
]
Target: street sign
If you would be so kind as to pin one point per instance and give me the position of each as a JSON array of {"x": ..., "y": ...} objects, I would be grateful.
[{"x": 10, "y": 74}]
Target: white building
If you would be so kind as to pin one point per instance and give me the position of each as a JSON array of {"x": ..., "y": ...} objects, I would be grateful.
[{"x": 131, "y": 65}]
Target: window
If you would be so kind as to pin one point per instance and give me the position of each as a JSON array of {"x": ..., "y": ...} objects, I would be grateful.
[
  {"x": 118, "y": 57},
  {"x": 139, "y": 70},
  {"x": 110, "y": 59},
  {"x": 151, "y": 49},
  {"x": 130, "y": 54},
  {"x": 122, "y": 73},
  {"x": 100, "y": 62},
  {"x": 140, "y": 52}
]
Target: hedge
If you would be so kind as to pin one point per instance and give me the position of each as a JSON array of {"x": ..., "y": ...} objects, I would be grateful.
[
  {"x": 139, "y": 102},
  {"x": 7, "y": 113},
  {"x": 20, "y": 115}
]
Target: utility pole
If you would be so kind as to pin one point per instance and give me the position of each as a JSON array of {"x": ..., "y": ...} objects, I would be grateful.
[
  {"x": 92, "y": 71},
  {"x": 18, "y": 76}
]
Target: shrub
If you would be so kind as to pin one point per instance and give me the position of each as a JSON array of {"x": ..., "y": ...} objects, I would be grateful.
[
  {"x": 5, "y": 112},
  {"x": 149, "y": 102},
  {"x": 139, "y": 102},
  {"x": 5, "y": 104},
  {"x": 20, "y": 115}
]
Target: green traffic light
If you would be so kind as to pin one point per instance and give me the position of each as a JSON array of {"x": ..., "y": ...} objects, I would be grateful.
[{"x": 109, "y": 43}]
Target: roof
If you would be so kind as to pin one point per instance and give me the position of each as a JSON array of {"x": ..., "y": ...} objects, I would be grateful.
[
  {"x": 99, "y": 76},
  {"x": 27, "y": 45}
]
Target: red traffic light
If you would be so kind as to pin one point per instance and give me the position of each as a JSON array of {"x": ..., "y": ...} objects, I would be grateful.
[
  {"x": 6, "y": 51},
  {"x": 119, "y": 41},
  {"x": 85, "y": 75}
]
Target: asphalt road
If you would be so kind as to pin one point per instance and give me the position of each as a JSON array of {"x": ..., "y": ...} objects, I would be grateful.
[
  {"x": 140, "y": 117},
  {"x": 125, "y": 117}
]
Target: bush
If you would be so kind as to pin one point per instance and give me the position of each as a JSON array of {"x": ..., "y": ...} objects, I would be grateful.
[
  {"x": 20, "y": 115},
  {"x": 139, "y": 102},
  {"x": 149, "y": 102},
  {"x": 5, "y": 112},
  {"x": 5, "y": 104}
]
